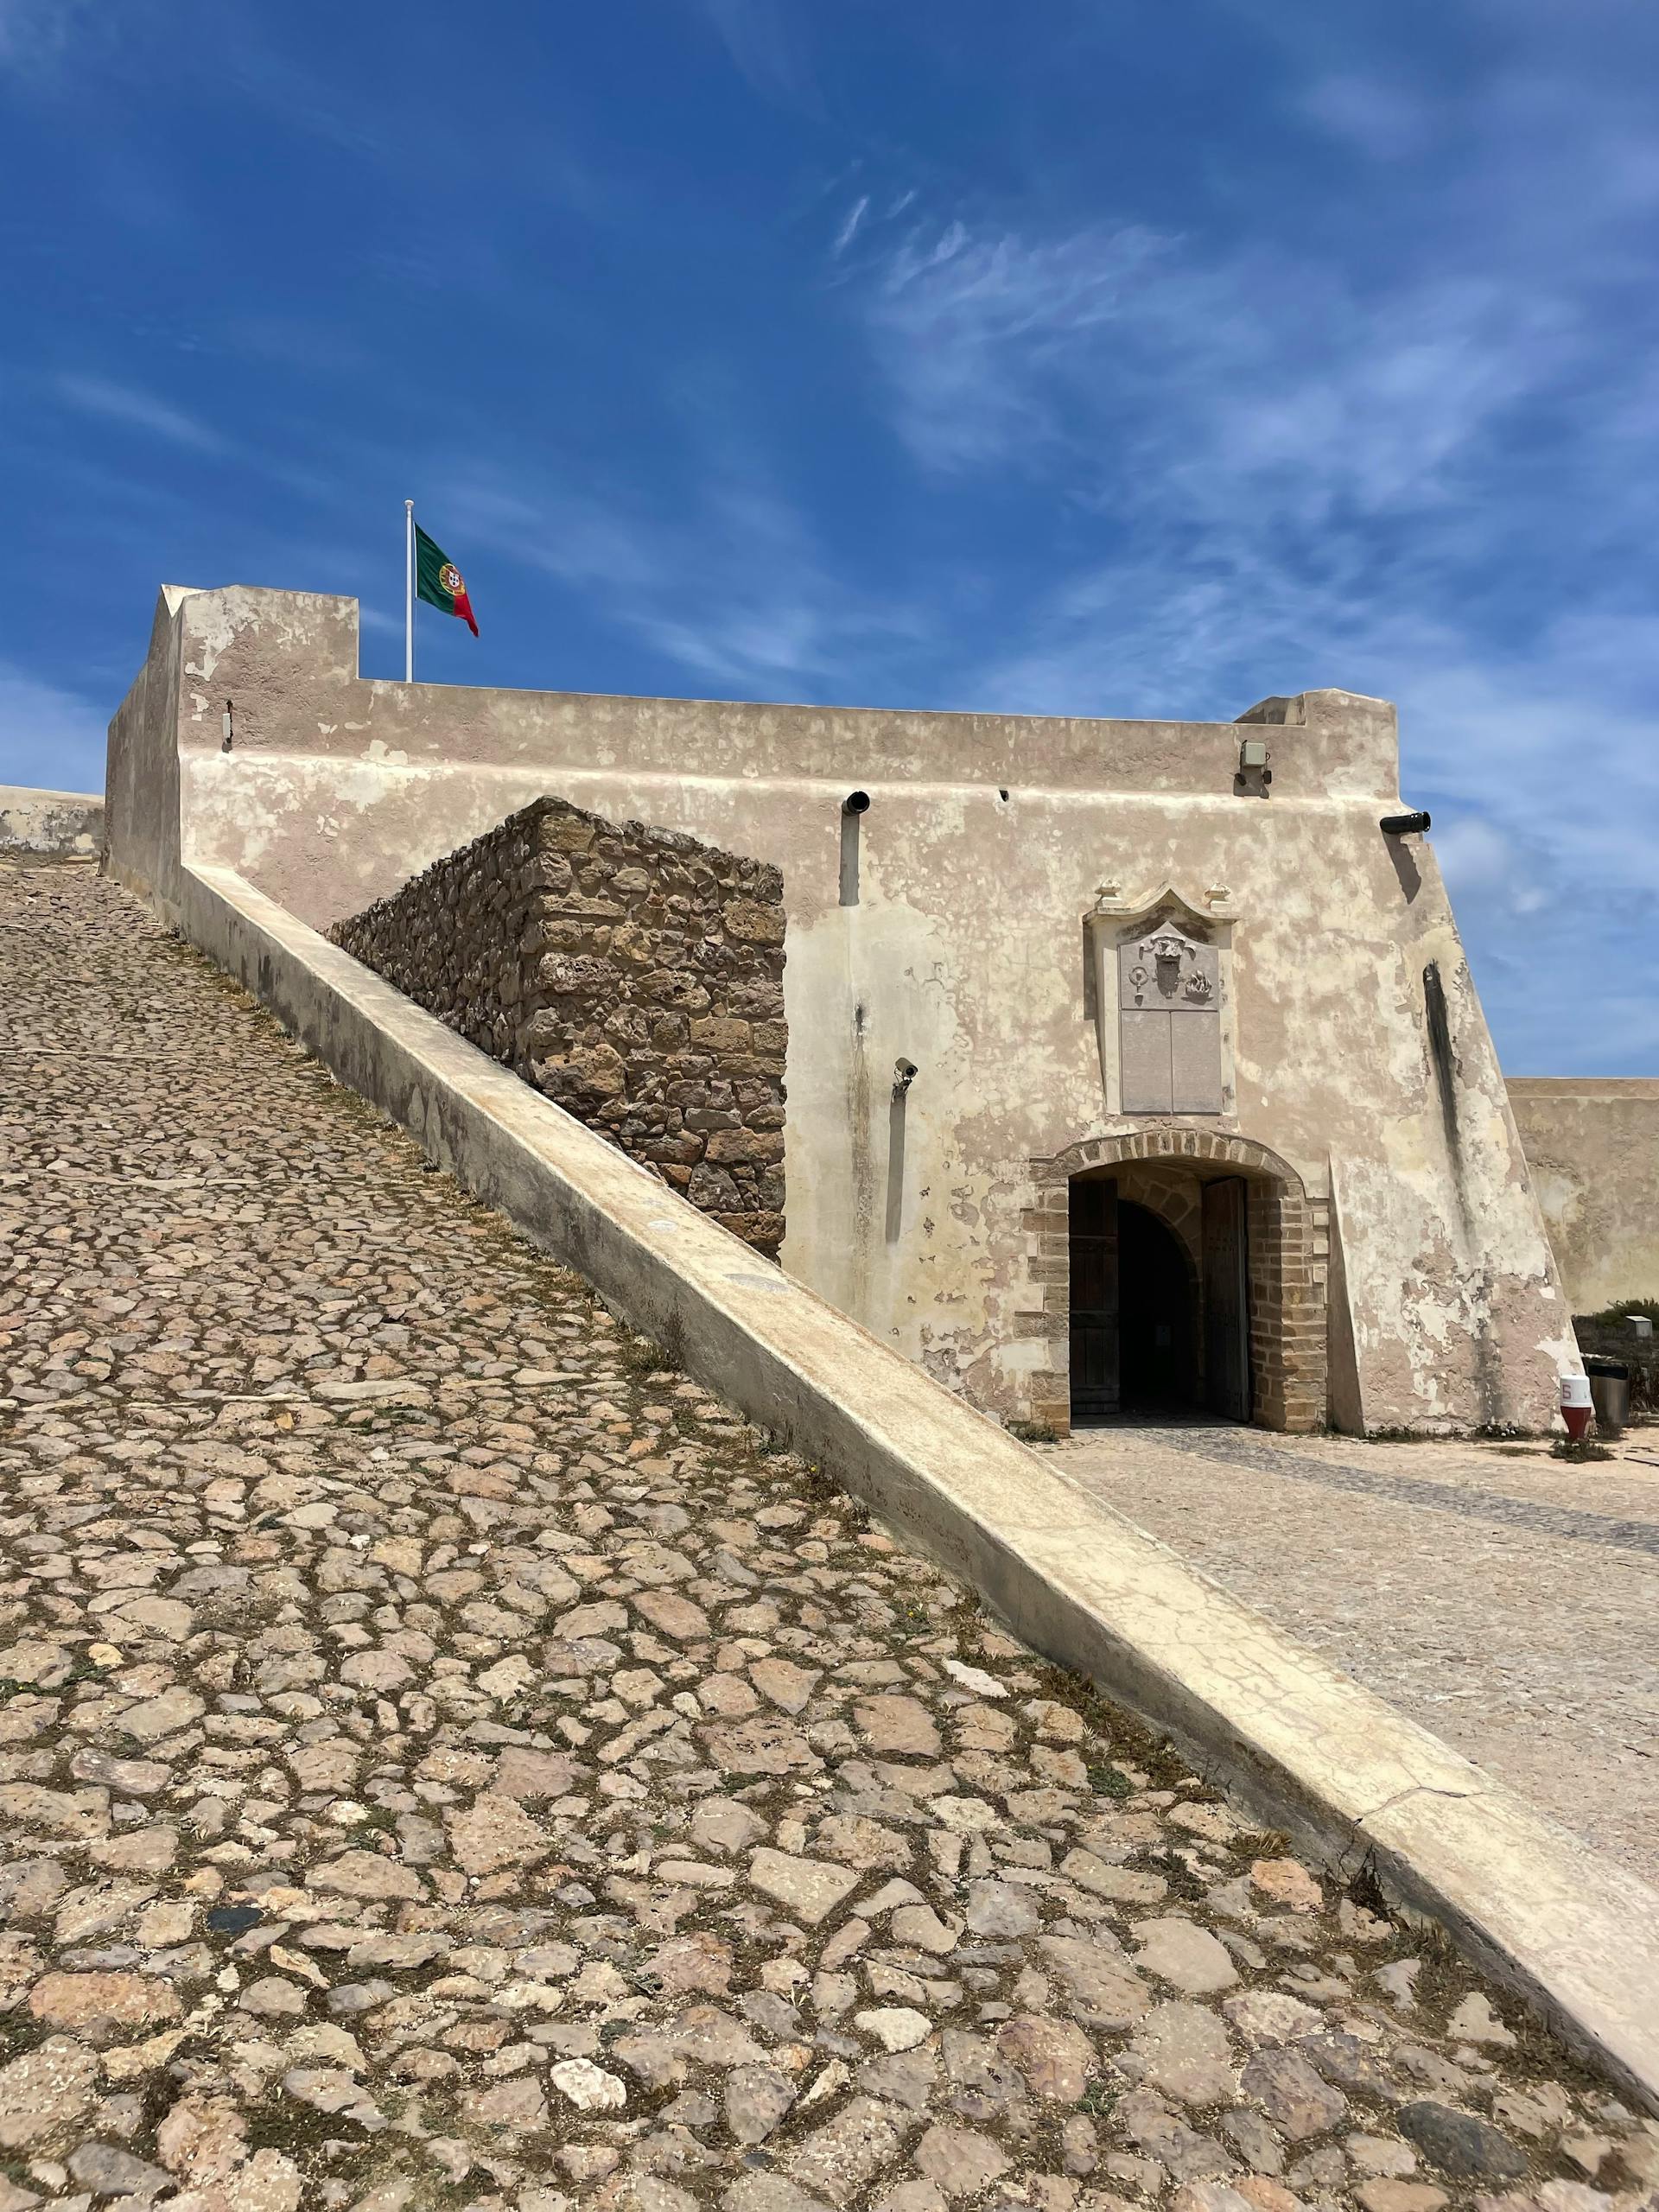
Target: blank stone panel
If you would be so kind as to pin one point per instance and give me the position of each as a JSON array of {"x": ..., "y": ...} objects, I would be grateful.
[
  {"x": 1195, "y": 1062},
  {"x": 1148, "y": 1084}
]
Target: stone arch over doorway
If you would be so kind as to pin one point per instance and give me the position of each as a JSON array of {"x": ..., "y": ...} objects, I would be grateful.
[{"x": 1164, "y": 1170}]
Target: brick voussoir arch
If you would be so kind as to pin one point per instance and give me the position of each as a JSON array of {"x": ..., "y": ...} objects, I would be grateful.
[{"x": 1287, "y": 1265}]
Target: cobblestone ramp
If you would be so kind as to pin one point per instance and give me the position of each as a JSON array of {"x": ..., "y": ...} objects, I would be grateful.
[{"x": 446, "y": 1760}]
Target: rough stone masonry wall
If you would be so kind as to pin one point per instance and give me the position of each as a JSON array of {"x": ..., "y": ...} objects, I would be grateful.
[{"x": 634, "y": 975}]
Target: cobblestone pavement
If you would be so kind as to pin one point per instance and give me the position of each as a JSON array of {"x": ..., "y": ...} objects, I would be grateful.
[
  {"x": 447, "y": 1760},
  {"x": 1505, "y": 1600}
]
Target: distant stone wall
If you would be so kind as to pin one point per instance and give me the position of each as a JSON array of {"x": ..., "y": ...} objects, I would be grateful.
[
  {"x": 634, "y": 975},
  {"x": 1592, "y": 1145},
  {"x": 53, "y": 825}
]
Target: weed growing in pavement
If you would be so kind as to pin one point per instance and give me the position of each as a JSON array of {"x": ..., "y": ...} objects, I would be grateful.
[
  {"x": 1109, "y": 1781},
  {"x": 1500, "y": 1432},
  {"x": 813, "y": 1487},
  {"x": 1177, "y": 1871},
  {"x": 1261, "y": 1843},
  {"x": 1120, "y": 1736},
  {"x": 641, "y": 1356},
  {"x": 1577, "y": 1449}
]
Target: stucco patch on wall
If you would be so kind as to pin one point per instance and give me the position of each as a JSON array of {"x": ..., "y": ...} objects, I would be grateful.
[{"x": 1593, "y": 1144}]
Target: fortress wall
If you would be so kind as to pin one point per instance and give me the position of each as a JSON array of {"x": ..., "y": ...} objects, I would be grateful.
[
  {"x": 633, "y": 975},
  {"x": 55, "y": 825},
  {"x": 1593, "y": 1144},
  {"x": 990, "y": 844}
]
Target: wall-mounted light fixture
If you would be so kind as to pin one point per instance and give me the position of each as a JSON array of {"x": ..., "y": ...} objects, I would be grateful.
[
  {"x": 904, "y": 1074},
  {"x": 1255, "y": 767},
  {"x": 1405, "y": 825}
]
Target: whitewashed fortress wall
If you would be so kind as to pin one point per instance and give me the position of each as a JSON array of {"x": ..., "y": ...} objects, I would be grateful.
[{"x": 968, "y": 925}]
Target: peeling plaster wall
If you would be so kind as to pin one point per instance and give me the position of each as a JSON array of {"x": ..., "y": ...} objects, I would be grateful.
[
  {"x": 1593, "y": 1143},
  {"x": 964, "y": 955},
  {"x": 57, "y": 825}
]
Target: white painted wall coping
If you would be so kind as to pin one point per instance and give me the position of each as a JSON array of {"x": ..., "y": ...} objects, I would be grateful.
[{"x": 1309, "y": 1750}]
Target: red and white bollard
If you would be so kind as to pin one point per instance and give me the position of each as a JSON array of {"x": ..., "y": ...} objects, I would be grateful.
[{"x": 1576, "y": 1408}]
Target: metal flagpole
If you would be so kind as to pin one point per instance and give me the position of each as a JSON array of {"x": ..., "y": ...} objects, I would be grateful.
[{"x": 409, "y": 591}]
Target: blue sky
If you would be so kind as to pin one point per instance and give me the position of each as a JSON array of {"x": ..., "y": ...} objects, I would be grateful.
[{"x": 1091, "y": 357}]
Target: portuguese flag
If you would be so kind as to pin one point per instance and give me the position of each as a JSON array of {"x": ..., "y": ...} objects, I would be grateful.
[{"x": 438, "y": 581}]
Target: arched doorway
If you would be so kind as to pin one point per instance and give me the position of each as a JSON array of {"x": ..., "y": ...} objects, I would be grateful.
[
  {"x": 1254, "y": 1247},
  {"x": 1160, "y": 1308}
]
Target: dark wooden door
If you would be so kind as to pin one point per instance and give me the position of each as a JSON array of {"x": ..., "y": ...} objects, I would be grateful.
[
  {"x": 1095, "y": 1388},
  {"x": 1226, "y": 1299}
]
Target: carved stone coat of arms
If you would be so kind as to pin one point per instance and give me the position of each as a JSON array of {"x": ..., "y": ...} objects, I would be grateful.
[{"x": 1169, "y": 1023}]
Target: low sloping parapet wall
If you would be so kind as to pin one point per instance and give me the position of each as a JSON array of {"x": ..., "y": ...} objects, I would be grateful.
[
  {"x": 55, "y": 825},
  {"x": 1352, "y": 1781},
  {"x": 1592, "y": 1145},
  {"x": 634, "y": 975}
]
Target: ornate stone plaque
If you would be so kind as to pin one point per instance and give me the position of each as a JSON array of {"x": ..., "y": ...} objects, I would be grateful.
[{"x": 1169, "y": 1022}]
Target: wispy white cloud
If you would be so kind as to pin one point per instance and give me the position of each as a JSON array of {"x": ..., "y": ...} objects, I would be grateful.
[
  {"x": 1388, "y": 121},
  {"x": 1293, "y": 477},
  {"x": 729, "y": 587},
  {"x": 979, "y": 332},
  {"x": 49, "y": 738},
  {"x": 850, "y": 222},
  {"x": 36, "y": 34},
  {"x": 1103, "y": 349},
  {"x": 131, "y": 408},
  {"x": 302, "y": 98},
  {"x": 766, "y": 42},
  {"x": 138, "y": 410}
]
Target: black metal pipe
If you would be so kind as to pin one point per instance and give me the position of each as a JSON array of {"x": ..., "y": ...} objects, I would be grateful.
[
  {"x": 1404, "y": 825},
  {"x": 855, "y": 803}
]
